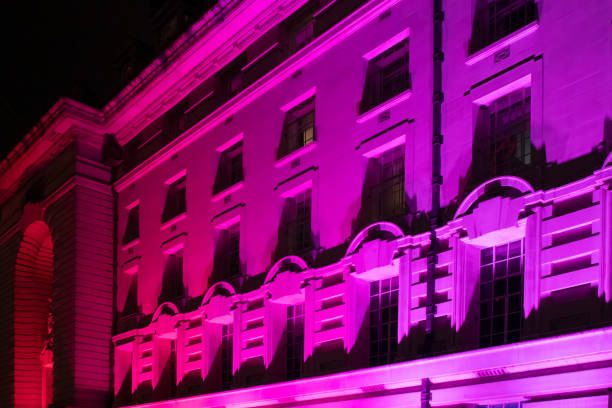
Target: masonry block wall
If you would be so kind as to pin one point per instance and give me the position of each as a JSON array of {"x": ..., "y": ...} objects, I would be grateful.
[{"x": 59, "y": 283}]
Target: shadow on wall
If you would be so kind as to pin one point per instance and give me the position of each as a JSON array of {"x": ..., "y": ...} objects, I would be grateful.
[
  {"x": 130, "y": 306},
  {"x": 173, "y": 289},
  {"x": 373, "y": 207},
  {"x": 538, "y": 172},
  {"x": 124, "y": 395},
  {"x": 504, "y": 157},
  {"x": 166, "y": 386},
  {"x": 223, "y": 269},
  {"x": 290, "y": 240}
]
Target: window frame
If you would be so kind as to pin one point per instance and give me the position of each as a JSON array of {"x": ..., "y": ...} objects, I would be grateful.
[
  {"x": 294, "y": 362},
  {"x": 394, "y": 159},
  {"x": 177, "y": 290},
  {"x": 299, "y": 128},
  {"x": 229, "y": 241},
  {"x": 383, "y": 300},
  {"x": 300, "y": 226},
  {"x": 483, "y": 20},
  {"x": 492, "y": 283},
  {"x": 378, "y": 79},
  {"x": 230, "y": 170},
  {"x": 227, "y": 356},
  {"x": 176, "y": 199},
  {"x": 132, "y": 225}
]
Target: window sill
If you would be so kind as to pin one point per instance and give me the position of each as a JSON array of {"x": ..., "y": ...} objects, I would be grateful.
[
  {"x": 383, "y": 106},
  {"x": 130, "y": 267},
  {"x": 174, "y": 220},
  {"x": 130, "y": 244},
  {"x": 227, "y": 191},
  {"x": 502, "y": 43},
  {"x": 295, "y": 154}
]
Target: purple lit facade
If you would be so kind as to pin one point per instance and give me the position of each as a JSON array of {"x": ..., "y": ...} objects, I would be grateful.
[{"x": 325, "y": 203}]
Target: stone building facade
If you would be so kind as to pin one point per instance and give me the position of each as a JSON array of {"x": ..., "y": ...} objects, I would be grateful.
[{"x": 321, "y": 203}]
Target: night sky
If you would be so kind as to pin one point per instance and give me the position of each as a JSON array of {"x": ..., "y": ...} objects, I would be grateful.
[{"x": 55, "y": 48}]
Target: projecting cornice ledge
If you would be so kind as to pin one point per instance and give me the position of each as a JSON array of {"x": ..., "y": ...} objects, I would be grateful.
[
  {"x": 562, "y": 364},
  {"x": 53, "y": 133}
]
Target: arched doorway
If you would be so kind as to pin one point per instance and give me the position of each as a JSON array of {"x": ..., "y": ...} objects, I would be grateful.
[{"x": 33, "y": 323}]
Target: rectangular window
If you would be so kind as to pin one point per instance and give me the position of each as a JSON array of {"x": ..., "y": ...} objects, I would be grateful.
[
  {"x": 300, "y": 238},
  {"x": 232, "y": 79},
  {"x": 176, "y": 200},
  {"x": 295, "y": 341},
  {"x": 227, "y": 356},
  {"x": 501, "y": 294},
  {"x": 172, "y": 281},
  {"x": 299, "y": 127},
  {"x": 387, "y": 196},
  {"x": 495, "y": 19},
  {"x": 503, "y": 137},
  {"x": 510, "y": 123},
  {"x": 302, "y": 35},
  {"x": 230, "y": 246},
  {"x": 388, "y": 75},
  {"x": 383, "y": 310},
  {"x": 132, "y": 229},
  {"x": 230, "y": 169}
]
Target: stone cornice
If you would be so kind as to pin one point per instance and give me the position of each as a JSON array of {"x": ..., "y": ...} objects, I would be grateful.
[
  {"x": 194, "y": 56},
  {"x": 46, "y": 140},
  {"x": 284, "y": 70},
  {"x": 190, "y": 61}
]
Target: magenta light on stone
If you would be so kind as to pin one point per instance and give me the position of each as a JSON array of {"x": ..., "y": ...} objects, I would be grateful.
[{"x": 324, "y": 203}]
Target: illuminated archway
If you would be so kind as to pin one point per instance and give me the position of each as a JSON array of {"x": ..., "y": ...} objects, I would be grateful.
[
  {"x": 380, "y": 228},
  {"x": 515, "y": 183},
  {"x": 33, "y": 321},
  {"x": 292, "y": 263}
]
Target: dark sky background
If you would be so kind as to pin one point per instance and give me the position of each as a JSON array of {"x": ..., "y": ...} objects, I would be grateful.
[{"x": 55, "y": 48}]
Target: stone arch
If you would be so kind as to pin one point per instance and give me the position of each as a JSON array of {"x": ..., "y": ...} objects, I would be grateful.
[
  {"x": 291, "y": 262},
  {"x": 217, "y": 288},
  {"x": 164, "y": 308},
  {"x": 381, "y": 229},
  {"x": 511, "y": 182},
  {"x": 33, "y": 320}
]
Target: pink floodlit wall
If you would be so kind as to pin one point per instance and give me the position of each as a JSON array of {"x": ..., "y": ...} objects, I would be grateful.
[
  {"x": 336, "y": 205},
  {"x": 557, "y": 207},
  {"x": 564, "y": 226}
]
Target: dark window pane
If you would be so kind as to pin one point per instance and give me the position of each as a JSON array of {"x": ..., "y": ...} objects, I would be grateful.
[
  {"x": 498, "y": 324},
  {"x": 499, "y": 306},
  {"x": 485, "y": 310},
  {"x": 485, "y": 326},
  {"x": 515, "y": 303},
  {"x": 486, "y": 256},
  {"x": 486, "y": 273},
  {"x": 500, "y": 269},
  {"x": 485, "y": 291},
  {"x": 500, "y": 288},
  {"x": 501, "y": 252},
  {"x": 515, "y": 284},
  {"x": 514, "y": 266},
  {"x": 514, "y": 249},
  {"x": 514, "y": 321}
]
